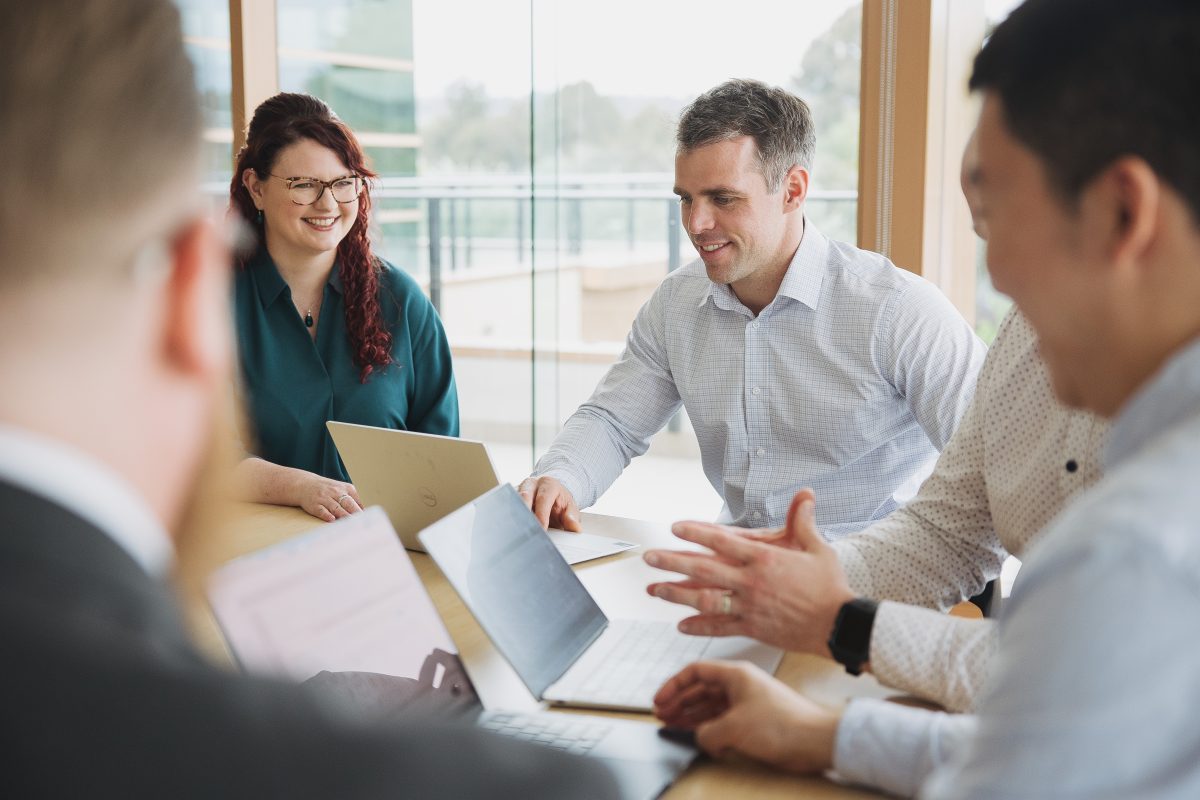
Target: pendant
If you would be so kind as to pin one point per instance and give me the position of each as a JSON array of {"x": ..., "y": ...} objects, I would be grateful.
[{"x": 308, "y": 320}]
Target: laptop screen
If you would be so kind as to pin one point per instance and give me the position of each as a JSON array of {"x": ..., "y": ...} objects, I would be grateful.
[
  {"x": 342, "y": 603},
  {"x": 525, "y": 596}
]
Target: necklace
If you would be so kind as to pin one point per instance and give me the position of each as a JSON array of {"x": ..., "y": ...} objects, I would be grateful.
[{"x": 308, "y": 320}]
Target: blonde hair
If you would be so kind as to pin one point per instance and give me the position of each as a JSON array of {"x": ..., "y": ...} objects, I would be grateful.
[{"x": 100, "y": 114}]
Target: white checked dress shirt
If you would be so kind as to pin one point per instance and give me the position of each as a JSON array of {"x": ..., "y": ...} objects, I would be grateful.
[
  {"x": 1016, "y": 461},
  {"x": 1094, "y": 692},
  {"x": 848, "y": 382}
]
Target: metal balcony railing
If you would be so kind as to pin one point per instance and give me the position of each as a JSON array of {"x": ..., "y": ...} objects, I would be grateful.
[{"x": 447, "y": 206}]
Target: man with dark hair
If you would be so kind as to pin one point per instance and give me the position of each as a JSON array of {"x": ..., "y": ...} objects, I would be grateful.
[
  {"x": 800, "y": 360},
  {"x": 115, "y": 350},
  {"x": 1089, "y": 184}
]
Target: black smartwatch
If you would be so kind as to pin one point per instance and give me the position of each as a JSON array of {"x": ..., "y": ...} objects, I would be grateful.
[{"x": 850, "y": 642}]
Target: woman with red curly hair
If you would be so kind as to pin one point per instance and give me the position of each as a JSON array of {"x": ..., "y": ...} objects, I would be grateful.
[{"x": 326, "y": 329}]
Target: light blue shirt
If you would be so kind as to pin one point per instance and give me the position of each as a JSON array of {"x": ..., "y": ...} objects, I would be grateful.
[
  {"x": 1097, "y": 681},
  {"x": 850, "y": 381}
]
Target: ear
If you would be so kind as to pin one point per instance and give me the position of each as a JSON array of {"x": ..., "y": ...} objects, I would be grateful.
[
  {"x": 795, "y": 189},
  {"x": 197, "y": 319},
  {"x": 968, "y": 179},
  {"x": 253, "y": 185},
  {"x": 1131, "y": 197}
]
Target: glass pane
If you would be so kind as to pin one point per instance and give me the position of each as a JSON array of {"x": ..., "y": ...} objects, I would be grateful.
[
  {"x": 452, "y": 204},
  {"x": 990, "y": 305},
  {"x": 472, "y": 187},
  {"x": 370, "y": 100},
  {"x": 607, "y": 93},
  {"x": 356, "y": 55},
  {"x": 206, "y": 36},
  {"x": 528, "y": 175},
  {"x": 374, "y": 28}
]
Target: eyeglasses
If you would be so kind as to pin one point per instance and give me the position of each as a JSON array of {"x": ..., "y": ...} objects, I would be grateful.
[{"x": 306, "y": 191}]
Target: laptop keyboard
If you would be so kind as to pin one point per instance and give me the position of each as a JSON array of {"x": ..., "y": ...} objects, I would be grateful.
[
  {"x": 641, "y": 659},
  {"x": 559, "y": 731}
]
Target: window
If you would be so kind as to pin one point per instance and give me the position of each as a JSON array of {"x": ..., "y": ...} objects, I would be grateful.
[
  {"x": 206, "y": 36},
  {"x": 545, "y": 175},
  {"x": 356, "y": 55},
  {"x": 990, "y": 305},
  {"x": 525, "y": 149}
]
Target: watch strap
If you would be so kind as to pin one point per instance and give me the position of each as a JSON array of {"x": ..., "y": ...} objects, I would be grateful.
[{"x": 850, "y": 641}]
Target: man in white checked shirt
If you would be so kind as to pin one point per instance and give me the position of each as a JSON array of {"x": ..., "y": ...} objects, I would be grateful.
[{"x": 801, "y": 361}]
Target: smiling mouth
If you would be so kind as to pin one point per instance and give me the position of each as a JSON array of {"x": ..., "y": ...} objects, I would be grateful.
[
  {"x": 710, "y": 248},
  {"x": 320, "y": 223}
]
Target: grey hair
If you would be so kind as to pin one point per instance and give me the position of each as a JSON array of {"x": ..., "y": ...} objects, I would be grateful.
[{"x": 779, "y": 122}]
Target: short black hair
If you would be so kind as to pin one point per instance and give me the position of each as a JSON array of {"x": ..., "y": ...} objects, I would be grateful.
[{"x": 1082, "y": 83}]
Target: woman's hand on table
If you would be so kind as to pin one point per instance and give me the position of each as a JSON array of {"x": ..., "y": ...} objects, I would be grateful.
[{"x": 325, "y": 498}]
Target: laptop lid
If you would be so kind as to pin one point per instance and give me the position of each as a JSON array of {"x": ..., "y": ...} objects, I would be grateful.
[
  {"x": 343, "y": 603},
  {"x": 416, "y": 477},
  {"x": 347, "y": 597},
  {"x": 524, "y": 595}
]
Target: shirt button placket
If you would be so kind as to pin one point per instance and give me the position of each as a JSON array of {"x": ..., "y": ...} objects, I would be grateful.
[{"x": 757, "y": 421}]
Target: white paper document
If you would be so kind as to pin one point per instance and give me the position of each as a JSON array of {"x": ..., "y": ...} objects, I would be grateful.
[
  {"x": 579, "y": 547},
  {"x": 344, "y": 597}
]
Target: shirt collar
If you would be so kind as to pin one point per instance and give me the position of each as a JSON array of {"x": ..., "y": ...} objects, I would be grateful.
[
  {"x": 267, "y": 280},
  {"x": 1163, "y": 402},
  {"x": 270, "y": 284},
  {"x": 801, "y": 282},
  {"x": 88, "y": 488}
]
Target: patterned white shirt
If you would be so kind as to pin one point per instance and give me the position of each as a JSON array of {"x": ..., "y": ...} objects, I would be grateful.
[
  {"x": 848, "y": 382},
  {"x": 1018, "y": 458},
  {"x": 1094, "y": 692},
  {"x": 1096, "y": 689}
]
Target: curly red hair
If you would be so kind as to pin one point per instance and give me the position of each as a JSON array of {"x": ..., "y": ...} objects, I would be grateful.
[{"x": 284, "y": 120}]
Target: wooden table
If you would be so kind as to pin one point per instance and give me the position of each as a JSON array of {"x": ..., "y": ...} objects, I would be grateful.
[{"x": 618, "y": 584}]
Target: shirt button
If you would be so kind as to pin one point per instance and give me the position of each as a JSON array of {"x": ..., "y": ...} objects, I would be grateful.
[
  {"x": 754, "y": 326},
  {"x": 760, "y": 452},
  {"x": 756, "y": 390},
  {"x": 1072, "y": 465},
  {"x": 757, "y": 515}
]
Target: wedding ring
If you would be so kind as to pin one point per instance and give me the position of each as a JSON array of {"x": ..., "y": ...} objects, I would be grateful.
[
  {"x": 343, "y": 497},
  {"x": 727, "y": 602}
]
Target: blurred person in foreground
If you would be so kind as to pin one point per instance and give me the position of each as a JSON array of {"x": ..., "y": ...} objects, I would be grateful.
[
  {"x": 1089, "y": 184},
  {"x": 326, "y": 329},
  {"x": 115, "y": 345}
]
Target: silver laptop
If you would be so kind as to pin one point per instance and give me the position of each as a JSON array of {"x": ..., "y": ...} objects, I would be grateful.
[
  {"x": 417, "y": 477},
  {"x": 546, "y": 624},
  {"x": 344, "y": 608}
]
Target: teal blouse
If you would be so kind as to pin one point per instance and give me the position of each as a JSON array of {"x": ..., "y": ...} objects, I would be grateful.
[{"x": 293, "y": 383}]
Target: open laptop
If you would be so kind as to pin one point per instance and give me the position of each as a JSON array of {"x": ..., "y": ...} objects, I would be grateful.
[
  {"x": 418, "y": 478},
  {"x": 344, "y": 608},
  {"x": 546, "y": 624}
]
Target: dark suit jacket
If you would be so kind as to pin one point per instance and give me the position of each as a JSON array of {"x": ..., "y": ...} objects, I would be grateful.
[{"x": 102, "y": 695}]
